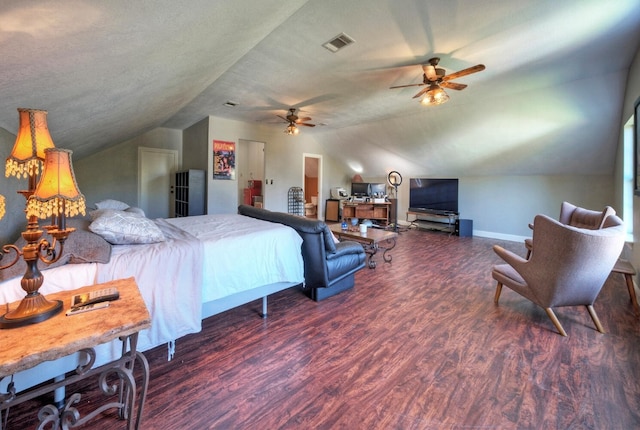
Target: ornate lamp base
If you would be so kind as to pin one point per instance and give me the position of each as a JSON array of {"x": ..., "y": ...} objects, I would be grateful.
[{"x": 34, "y": 308}]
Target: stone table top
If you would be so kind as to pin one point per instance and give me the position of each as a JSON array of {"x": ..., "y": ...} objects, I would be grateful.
[{"x": 61, "y": 335}]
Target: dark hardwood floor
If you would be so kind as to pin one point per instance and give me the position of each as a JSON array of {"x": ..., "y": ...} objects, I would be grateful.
[{"x": 417, "y": 344}]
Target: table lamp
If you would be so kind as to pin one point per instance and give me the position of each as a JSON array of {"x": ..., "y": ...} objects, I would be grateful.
[{"x": 55, "y": 195}]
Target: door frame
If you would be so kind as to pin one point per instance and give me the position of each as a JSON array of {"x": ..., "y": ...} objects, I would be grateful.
[
  {"x": 305, "y": 155},
  {"x": 243, "y": 158}
]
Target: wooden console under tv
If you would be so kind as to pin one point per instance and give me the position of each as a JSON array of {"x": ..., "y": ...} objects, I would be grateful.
[
  {"x": 376, "y": 212},
  {"x": 433, "y": 221}
]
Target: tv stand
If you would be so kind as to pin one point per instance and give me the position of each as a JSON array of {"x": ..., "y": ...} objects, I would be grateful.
[{"x": 433, "y": 220}]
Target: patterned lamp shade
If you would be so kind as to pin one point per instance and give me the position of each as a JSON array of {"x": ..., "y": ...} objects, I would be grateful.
[
  {"x": 57, "y": 192},
  {"x": 32, "y": 140},
  {"x": 2, "y": 206}
]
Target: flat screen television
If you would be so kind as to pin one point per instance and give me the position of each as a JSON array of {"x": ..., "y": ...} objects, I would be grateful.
[
  {"x": 360, "y": 189},
  {"x": 433, "y": 195}
]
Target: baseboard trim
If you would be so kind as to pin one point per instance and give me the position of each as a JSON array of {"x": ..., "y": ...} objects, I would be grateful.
[{"x": 500, "y": 236}]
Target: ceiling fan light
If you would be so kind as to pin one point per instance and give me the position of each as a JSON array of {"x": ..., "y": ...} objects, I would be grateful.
[
  {"x": 291, "y": 129},
  {"x": 435, "y": 96}
]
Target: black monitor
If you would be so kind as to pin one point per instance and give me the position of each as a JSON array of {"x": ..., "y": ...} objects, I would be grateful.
[
  {"x": 360, "y": 189},
  {"x": 378, "y": 190}
]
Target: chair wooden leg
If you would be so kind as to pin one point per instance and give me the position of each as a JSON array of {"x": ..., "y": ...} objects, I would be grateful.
[
  {"x": 595, "y": 319},
  {"x": 555, "y": 321},
  {"x": 632, "y": 291},
  {"x": 498, "y": 291}
]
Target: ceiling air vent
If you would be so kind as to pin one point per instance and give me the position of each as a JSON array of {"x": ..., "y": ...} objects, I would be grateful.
[{"x": 338, "y": 42}]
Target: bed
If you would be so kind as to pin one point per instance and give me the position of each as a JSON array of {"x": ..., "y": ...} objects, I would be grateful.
[{"x": 192, "y": 268}]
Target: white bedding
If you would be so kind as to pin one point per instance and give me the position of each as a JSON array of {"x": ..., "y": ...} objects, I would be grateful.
[
  {"x": 204, "y": 258},
  {"x": 242, "y": 253},
  {"x": 169, "y": 276}
]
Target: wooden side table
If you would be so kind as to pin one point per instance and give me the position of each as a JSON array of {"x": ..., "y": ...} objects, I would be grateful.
[{"x": 26, "y": 347}]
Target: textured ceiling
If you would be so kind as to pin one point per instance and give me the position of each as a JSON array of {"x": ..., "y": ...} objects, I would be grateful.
[{"x": 549, "y": 101}]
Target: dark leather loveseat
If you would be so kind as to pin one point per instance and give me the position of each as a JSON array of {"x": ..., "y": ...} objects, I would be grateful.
[{"x": 329, "y": 267}]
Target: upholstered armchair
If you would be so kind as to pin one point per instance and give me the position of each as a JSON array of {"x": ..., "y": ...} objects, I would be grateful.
[
  {"x": 568, "y": 268},
  {"x": 593, "y": 220},
  {"x": 576, "y": 216}
]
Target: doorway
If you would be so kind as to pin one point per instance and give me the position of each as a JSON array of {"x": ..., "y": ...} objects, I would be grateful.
[
  {"x": 312, "y": 180},
  {"x": 250, "y": 171}
]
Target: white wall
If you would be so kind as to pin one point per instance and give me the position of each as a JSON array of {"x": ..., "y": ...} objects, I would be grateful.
[
  {"x": 194, "y": 146},
  {"x": 500, "y": 207},
  {"x": 14, "y": 220},
  {"x": 249, "y": 164},
  {"x": 503, "y": 206},
  {"x": 283, "y": 161},
  {"x": 113, "y": 173}
]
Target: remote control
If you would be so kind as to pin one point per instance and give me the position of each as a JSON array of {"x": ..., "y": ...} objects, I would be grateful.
[
  {"x": 87, "y": 308},
  {"x": 97, "y": 296}
]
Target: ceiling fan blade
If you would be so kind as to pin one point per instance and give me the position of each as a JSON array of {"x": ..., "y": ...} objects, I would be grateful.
[
  {"x": 303, "y": 119},
  {"x": 306, "y": 125},
  {"x": 465, "y": 72},
  {"x": 430, "y": 72},
  {"x": 280, "y": 116},
  {"x": 453, "y": 85},
  {"x": 422, "y": 91},
  {"x": 404, "y": 86}
]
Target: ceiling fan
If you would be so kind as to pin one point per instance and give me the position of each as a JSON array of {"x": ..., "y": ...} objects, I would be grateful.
[
  {"x": 295, "y": 121},
  {"x": 434, "y": 78}
]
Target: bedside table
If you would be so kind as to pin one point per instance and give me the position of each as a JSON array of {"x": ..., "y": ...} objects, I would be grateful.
[{"x": 28, "y": 346}]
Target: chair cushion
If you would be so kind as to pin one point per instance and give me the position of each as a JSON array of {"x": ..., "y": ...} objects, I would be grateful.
[
  {"x": 505, "y": 273},
  {"x": 589, "y": 219}
]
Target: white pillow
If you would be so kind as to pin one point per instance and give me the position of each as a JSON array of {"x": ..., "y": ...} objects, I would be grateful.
[
  {"x": 125, "y": 228},
  {"x": 95, "y": 214},
  {"x": 112, "y": 204},
  {"x": 135, "y": 210}
]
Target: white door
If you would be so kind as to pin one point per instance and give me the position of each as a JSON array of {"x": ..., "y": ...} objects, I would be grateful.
[{"x": 156, "y": 168}]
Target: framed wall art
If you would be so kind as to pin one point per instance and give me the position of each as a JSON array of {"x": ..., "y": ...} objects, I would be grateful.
[{"x": 224, "y": 160}]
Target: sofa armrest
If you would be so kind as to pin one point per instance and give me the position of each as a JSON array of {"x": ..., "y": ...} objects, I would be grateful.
[{"x": 345, "y": 248}]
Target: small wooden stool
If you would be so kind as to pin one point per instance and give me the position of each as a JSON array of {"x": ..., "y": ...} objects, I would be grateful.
[{"x": 627, "y": 269}]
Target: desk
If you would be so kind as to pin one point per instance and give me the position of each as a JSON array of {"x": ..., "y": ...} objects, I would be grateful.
[
  {"x": 367, "y": 210},
  {"x": 370, "y": 241},
  {"x": 26, "y": 347}
]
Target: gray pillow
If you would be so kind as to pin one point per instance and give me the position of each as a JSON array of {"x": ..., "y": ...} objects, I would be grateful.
[{"x": 82, "y": 246}]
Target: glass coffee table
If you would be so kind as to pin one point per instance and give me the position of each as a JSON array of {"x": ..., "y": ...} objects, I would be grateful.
[{"x": 371, "y": 241}]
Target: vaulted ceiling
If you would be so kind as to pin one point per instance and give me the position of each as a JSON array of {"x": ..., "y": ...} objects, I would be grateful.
[{"x": 549, "y": 101}]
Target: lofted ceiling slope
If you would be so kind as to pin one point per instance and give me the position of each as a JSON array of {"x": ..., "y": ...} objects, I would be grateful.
[{"x": 549, "y": 101}]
